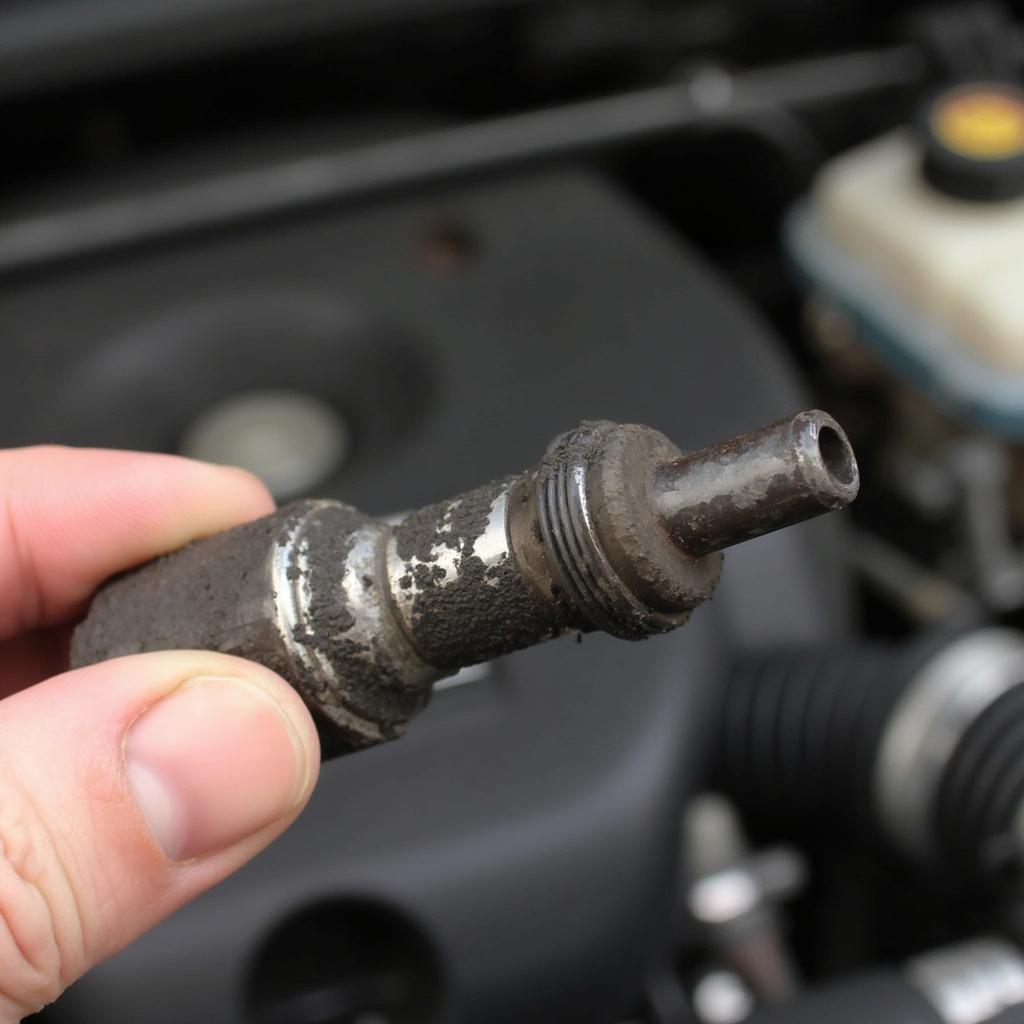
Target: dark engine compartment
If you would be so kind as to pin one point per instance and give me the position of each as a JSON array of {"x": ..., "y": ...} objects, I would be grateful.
[{"x": 526, "y": 853}]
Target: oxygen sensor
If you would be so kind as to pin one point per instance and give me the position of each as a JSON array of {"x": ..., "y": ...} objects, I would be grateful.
[{"x": 616, "y": 530}]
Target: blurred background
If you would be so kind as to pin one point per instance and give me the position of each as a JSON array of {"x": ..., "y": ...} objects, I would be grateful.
[{"x": 384, "y": 251}]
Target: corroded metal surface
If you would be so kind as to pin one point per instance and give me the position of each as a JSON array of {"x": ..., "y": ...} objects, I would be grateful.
[
  {"x": 779, "y": 475},
  {"x": 616, "y": 530}
]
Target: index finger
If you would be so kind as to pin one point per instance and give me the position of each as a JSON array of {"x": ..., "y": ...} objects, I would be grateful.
[{"x": 72, "y": 517}]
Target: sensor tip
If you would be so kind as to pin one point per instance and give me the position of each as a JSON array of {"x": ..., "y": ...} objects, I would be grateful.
[{"x": 782, "y": 474}]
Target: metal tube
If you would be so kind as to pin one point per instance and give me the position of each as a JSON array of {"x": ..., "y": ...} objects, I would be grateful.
[{"x": 781, "y": 474}]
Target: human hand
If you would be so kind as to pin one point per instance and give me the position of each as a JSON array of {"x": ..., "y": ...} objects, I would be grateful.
[{"x": 129, "y": 787}]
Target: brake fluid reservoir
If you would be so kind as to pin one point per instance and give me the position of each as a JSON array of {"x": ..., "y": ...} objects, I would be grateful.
[{"x": 918, "y": 237}]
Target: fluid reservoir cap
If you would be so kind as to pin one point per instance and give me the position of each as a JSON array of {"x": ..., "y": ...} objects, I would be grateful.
[{"x": 973, "y": 136}]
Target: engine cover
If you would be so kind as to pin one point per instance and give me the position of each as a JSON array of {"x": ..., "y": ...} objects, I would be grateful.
[{"x": 513, "y": 857}]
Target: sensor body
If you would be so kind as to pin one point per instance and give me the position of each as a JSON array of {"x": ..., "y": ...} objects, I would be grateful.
[{"x": 616, "y": 530}]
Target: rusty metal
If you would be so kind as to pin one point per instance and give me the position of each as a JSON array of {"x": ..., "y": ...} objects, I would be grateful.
[
  {"x": 616, "y": 530},
  {"x": 770, "y": 478}
]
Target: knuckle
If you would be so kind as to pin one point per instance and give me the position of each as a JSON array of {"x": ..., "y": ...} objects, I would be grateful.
[{"x": 38, "y": 917}]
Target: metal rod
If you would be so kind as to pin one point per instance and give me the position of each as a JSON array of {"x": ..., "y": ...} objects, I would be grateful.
[
  {"x": 451, "y": 154},
  {"x": 779, "y": 475}
]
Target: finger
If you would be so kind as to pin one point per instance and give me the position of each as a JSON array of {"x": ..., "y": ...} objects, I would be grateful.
[
  {"x": 126, "y": 789},
  {"x": 70, "y": 518}
]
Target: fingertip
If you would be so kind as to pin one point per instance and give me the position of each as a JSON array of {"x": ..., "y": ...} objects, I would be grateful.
[
  {"x": 202, "y": 493},
  {"x": 220, "y": 760},
  {"x": 292, "y": 707},
  {"x": 256, "y": 492},
  {"x": 78, "y": 516}
]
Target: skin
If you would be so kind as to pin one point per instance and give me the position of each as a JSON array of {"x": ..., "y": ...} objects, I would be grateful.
[{"x": 123, "y": 786}]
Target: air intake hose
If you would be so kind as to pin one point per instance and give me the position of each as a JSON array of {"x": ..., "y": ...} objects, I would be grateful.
[{"x": 923, "y": 744}]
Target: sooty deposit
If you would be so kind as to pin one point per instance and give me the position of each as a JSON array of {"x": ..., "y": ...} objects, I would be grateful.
[{"x": 487, "y": 609}]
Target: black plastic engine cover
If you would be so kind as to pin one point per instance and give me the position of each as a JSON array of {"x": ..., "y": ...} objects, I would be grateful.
[{"x": 512, "y": 858}]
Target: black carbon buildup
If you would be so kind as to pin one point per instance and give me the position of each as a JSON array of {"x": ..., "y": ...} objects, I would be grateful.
[{"x": 486, "y": 610}]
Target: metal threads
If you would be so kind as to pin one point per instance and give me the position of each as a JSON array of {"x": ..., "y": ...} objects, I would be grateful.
[
  {"x": 779, "y": 475},
  {"x": 584, "y": 573},
  {"x": 782, "y": 474}
]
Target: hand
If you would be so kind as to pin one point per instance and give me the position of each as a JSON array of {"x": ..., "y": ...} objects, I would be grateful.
[{"x": 129, "y": 787}]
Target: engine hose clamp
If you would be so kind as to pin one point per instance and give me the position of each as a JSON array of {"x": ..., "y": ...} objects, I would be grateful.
[{"x": 930, "y": 719}]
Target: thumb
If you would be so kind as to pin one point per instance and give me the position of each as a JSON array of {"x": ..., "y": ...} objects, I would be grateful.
[{"x": 126, "y": 789}]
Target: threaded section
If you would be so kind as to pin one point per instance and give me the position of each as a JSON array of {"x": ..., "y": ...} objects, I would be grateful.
[
  {"x": 565, "y": 535},
  {"x": 982, "y": 789},
  {"x": 800, "y": 731},
  {"x": 586, "y": 576}
]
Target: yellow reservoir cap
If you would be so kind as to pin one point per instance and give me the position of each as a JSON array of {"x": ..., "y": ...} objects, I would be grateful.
[
  {"x": 980, "y": 123},
  {"x": 972, "y": 138}
]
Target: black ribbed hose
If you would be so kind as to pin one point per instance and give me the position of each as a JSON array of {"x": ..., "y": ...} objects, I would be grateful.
[
  {"x": 801, "y": 729},
  {"x": 982, "y": 792},
  {"x": 800, "y": 740}
]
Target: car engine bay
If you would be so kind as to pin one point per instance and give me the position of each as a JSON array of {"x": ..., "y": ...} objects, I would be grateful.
[{"x": 383, "y": 252}]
